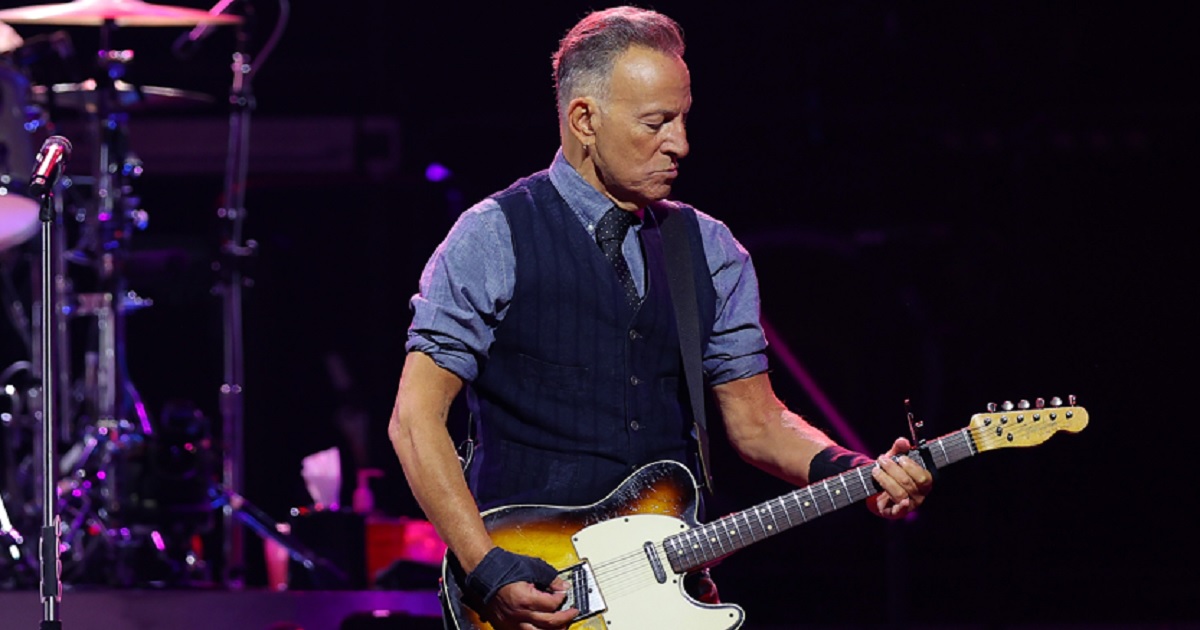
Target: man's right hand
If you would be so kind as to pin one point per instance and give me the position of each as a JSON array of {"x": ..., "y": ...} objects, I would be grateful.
[
  {"x": 523, "y": 606},
  {"x": 519, "y": 591}
]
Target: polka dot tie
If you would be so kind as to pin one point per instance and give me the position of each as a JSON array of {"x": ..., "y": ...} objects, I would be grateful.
[{"x": 610, "y": 233}]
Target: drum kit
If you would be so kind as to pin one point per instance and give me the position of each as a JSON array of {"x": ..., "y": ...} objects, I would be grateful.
[{"x": 132, "y": 495}]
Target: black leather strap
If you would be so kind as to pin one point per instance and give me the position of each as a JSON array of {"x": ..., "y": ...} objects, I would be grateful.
[{"x": 681, "y": 281}]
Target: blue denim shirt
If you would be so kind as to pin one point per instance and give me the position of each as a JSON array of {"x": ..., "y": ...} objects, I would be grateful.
[{"x": 467, "y": 285}]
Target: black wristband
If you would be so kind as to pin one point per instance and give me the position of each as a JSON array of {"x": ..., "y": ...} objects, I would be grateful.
[
  {"x": 500, "y": 568},
  {"x": 834, "y": 460}
]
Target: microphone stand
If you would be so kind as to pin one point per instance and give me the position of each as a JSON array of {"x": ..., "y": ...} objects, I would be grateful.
[{"x": 51, "y": 576}]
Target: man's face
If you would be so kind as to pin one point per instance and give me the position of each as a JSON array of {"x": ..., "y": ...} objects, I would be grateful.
[{"x": 639, "y": 131}]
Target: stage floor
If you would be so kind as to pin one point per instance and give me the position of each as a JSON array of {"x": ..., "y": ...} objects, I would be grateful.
[
  {"x": 128, "y": 609},
  {"x": 222, "y": 610}
]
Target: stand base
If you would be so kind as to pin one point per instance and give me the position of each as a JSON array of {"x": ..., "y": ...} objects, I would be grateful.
[{"x": 251, "y": 516}]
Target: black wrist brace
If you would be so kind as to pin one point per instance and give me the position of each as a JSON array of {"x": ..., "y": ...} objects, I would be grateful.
[
  {"x": 835, "y": 460},
  {"x": 500, "y": 568}
]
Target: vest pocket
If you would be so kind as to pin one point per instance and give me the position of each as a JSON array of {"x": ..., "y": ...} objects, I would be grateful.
[{"x": 537, "y": 373}]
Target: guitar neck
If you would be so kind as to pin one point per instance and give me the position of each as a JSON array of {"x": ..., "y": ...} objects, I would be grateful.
[{"x": 708, "y": 543}]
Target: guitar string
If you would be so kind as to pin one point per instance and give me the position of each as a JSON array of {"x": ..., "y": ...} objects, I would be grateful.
[{"x": 620, "y": 573}]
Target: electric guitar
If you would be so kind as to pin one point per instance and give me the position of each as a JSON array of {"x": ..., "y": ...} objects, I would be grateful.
[{"x": 624, "y": 557}]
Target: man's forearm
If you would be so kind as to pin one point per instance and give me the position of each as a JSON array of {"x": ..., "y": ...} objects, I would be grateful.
[
  {"x": 426, "y": 451},
  {"x": 765, "y": 433}
]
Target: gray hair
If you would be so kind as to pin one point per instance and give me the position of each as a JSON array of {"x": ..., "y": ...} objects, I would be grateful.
[{"x": 585, "y": 57}]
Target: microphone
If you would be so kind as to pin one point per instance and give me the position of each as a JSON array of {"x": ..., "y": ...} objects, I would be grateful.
[
  {"x": 54, "y": 154},
  {"x": 186, "y": 45}
]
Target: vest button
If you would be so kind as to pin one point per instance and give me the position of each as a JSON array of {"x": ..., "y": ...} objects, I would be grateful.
[
  {"x": 635, "y": 425},
  {"x": 633, "y": 380},
  {"x": 634, "y": 335}
]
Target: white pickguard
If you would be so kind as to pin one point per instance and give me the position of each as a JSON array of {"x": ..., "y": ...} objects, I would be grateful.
[{"x": 627, "y": 581}]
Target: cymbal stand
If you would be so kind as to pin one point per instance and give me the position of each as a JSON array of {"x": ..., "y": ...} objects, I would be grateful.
[
  {"x": 232, "y": 279},
  {"x": 92, "y": 483},
  {"x": 234, "y": 252}
]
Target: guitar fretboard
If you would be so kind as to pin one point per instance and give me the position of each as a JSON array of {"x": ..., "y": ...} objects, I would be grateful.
[{"x": 708, "y": 543}]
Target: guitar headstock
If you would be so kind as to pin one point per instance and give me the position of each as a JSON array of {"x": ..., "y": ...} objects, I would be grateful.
[{"x": 1023, "y": 424}]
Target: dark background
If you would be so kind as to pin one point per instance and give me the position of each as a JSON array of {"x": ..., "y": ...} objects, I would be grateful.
[{"x": 954, "y": 203}]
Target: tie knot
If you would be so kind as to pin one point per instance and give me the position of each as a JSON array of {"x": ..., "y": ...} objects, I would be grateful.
[{"x": 614, "y": 224}]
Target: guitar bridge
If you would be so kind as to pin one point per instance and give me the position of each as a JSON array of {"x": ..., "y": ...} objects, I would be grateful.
[{"x": 582, "y": 591}]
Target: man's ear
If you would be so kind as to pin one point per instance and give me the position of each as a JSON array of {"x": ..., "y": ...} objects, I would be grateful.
[{"x": 582, "y": 119}]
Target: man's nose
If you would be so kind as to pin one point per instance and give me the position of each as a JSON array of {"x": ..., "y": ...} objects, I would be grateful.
[{"x": 677, "y": 144}]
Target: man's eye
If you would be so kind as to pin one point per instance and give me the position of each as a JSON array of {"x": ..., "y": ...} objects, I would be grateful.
[{"x": 655, "y": 126}]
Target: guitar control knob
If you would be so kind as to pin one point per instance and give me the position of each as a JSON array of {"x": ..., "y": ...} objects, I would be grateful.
[
  {"x": 1071, "y": 399},
  {"x": 1040, "y": 403},
  {"x": 1007, "y": 406},
  {"x": 991, "y": 407},
  {"x": 1023, "y": 404},
  {"x": 1056, "y": 402}
]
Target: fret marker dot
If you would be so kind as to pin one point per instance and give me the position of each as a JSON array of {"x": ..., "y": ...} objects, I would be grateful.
[{"x": 806, "y": 504}]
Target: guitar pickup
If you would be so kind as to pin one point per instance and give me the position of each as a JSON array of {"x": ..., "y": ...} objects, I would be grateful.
[{"x": 582, "y": 592}]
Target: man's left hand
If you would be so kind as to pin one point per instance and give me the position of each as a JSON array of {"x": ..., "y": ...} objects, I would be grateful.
[{"x": 905, "y": 483}]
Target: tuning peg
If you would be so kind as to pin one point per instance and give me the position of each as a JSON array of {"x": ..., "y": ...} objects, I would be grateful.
[
  {"x": 1023, "y": 404},
  {"x": 1007, "y": 405},
  {"x": 1071, "y": 399},
  {"x": 1055, "y": 402},
  {"x": 1040, "y": 403},
  {"x": 991, "y": 407}
]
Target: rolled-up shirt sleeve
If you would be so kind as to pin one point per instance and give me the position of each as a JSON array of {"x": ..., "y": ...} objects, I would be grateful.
[
  {"x": 737, "y": 346},
  {"x": 464, "y": 291}
]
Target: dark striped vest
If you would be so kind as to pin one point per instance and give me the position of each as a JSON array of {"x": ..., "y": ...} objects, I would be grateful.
[{"x": 579, "y": 388}]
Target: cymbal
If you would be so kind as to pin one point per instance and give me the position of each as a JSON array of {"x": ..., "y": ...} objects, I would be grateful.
[
  {"x": 121, "y": 12},
  {"x": 19, "y": 219},
  {"x": 129, "y": 97}
]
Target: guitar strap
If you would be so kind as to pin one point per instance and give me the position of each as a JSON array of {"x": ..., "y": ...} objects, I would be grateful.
[{"x": 681, "y": 281}]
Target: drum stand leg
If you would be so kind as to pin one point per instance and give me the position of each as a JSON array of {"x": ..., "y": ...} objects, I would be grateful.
[
  {"x": 260, "y": 523},
  {"x": 12, "y": 546}
]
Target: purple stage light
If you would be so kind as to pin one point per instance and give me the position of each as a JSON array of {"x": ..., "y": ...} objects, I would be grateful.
[{"x": 437, "y": 173}]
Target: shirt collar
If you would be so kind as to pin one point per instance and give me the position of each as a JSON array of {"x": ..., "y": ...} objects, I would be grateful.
[{"x": 587, "y": 202}]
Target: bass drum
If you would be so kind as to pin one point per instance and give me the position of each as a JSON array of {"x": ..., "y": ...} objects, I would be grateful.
[{"x": 18, "y": 213}]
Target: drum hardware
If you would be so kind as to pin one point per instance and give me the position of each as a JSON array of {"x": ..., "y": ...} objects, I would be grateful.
[
  {"x": 102, "y": 528},
  {"x": 18, "y": 213},
  {"x": 83, "y": 96},
  {"x": 13, "y": 546},
  {"x": 235, "y": 251},
  {"x": 112, "y": 13}
]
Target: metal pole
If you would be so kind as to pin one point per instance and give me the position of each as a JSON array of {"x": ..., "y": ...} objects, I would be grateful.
[
  {"x": 233, "y": 251},
  {"x": 51, "y": 585}
]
